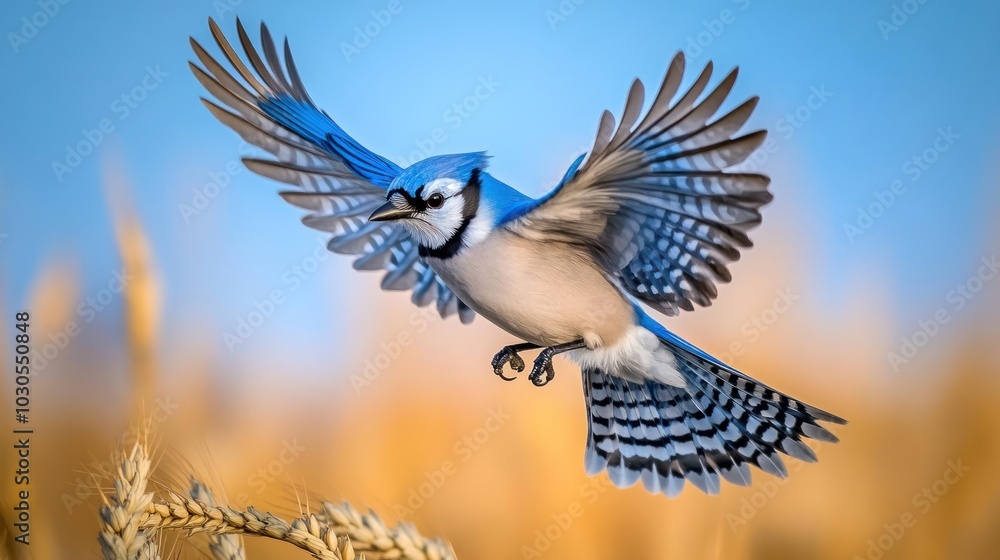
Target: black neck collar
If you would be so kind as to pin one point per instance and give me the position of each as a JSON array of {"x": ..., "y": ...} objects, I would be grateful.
[{"x": 451, "y": 247}]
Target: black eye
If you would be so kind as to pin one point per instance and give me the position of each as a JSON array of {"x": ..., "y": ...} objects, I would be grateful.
[{"x": 435, "y": 200}]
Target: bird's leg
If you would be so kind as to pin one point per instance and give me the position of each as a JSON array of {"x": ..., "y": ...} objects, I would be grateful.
[
  {"x": 543, "y": 363},
  {"x": 509, "y": 354}
]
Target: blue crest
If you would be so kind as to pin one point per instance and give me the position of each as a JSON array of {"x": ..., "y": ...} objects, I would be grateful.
[{"x": 453, "y": 166}]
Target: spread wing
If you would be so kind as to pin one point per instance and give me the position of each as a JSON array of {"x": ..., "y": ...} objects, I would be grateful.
[
  {"x": 339, "y": 181},
  {"x": 654, "y": 201}
]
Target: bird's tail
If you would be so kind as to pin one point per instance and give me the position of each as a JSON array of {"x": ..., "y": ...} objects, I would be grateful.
[{"x": 715, "y": 426}]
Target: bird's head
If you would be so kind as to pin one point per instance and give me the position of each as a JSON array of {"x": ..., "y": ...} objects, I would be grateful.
[{"x": 436, "y": 198}]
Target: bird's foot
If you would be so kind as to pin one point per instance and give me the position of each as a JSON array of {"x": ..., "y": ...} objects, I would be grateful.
[
  {"x": 508, "y": 354},
  {"x": 543, "y": 367}
]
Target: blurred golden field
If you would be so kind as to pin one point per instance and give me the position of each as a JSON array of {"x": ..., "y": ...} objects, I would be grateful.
[{"x": 429, "y": 435}]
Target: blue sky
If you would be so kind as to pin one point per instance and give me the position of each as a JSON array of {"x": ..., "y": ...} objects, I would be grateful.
[{"x": 865, "y": 98}]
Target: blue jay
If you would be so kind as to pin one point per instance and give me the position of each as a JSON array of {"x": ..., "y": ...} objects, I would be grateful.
[{"x": 651, "y": 215}]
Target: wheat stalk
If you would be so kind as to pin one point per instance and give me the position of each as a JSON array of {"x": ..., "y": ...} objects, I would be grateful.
[
  {"x": 222, "y": 546},
  {"x": 132, "y": 516},
  {"x": 141, "y": 294},
  {"x": 370, "y": 535},
  {"x": 180, "y": 512},
  {"x": 122, "y": 535}
]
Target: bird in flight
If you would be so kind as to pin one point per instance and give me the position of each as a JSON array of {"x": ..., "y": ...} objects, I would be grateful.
[{"x": 651, "y": 215}]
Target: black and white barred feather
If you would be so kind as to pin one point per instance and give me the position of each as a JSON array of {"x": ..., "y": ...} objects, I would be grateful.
[{"x": 713, "y": 429}]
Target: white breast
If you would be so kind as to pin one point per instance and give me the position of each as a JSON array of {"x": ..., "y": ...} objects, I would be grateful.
[
  {"x": 544, "y": 293},
  {"x": 551, "y": 293}
]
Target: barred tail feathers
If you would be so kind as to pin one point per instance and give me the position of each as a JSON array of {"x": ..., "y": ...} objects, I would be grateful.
[{"x": 710, "y": 430}]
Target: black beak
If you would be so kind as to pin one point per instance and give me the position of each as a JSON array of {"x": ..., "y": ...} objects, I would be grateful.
[{"x": 388, "y": 212}]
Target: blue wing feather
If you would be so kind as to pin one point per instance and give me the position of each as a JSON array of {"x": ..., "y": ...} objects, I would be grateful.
[
  {"x": 341, "y": 181},
  {"x": 655, "y": 203}
]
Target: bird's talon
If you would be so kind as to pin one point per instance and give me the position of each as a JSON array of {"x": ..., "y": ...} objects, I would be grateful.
[
  {"x": 516, "y": 363},
  {"x": 504, "y": 356},
  {"x": 543, "y": 365}
]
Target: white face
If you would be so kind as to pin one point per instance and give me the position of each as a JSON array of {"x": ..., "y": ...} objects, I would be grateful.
[{"x": 442, "y": 216}]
